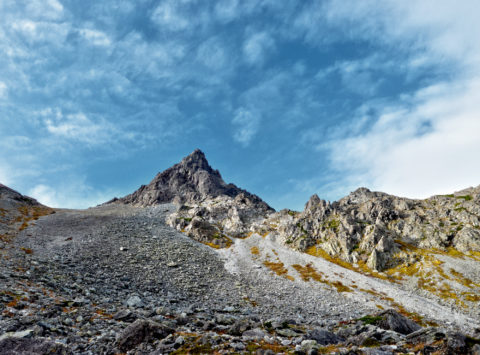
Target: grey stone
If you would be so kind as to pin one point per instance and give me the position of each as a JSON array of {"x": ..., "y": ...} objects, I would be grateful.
[
  {"x": 286, "y": 332},
  {"x": 141, "y": 331},
  {"x": 180, "y": 341},
  {"x": 134, "y": 301},
  {"x": 238, "y": 346},
  {"x": 392, "y": 320},
  {"x": 323, "y": 337},
  {"x": 255, "y": 334}
]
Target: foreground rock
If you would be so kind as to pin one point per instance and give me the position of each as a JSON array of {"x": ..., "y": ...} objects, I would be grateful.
[
  {"x": 141, "y": 331},
  {"x": 29, "y": 346}
]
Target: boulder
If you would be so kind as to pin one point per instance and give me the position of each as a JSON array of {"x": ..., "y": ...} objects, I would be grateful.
[
  {"x": 141, "y": 331},
  {"x": 323, "y": 337},
  {"x": 392, "y": 320}
]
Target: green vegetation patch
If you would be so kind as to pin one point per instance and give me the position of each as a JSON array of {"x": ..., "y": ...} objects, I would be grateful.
[{"x": 466, "y": 197}]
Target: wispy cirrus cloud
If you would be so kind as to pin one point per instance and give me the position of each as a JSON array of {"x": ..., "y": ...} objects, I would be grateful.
[{"x": 77, "y": 127}]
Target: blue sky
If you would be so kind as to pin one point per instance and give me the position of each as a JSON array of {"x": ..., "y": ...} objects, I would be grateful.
[{"x": 286, "y": 98}]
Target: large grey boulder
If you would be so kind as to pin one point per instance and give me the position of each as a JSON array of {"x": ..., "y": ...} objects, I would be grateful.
[
  {"x": 392, "y": 320},
  {"x": 141, "y": 331},
  {"x": 323, "y": 337}
]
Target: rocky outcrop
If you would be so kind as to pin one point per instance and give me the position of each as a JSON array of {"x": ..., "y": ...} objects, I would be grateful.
[
  {"x": 12, "y": 197},
  {"x": 365, "y": 227},
  {"x": 373, "y": 227}
]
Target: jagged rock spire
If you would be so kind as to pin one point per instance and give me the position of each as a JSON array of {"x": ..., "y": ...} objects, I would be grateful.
[{"x": 191, "y": 180}]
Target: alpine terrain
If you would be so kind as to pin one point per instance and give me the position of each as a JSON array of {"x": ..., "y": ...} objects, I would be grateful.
[{"x": 189, "y": 264}]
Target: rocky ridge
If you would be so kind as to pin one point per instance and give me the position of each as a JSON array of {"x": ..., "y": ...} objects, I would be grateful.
[
  {"x": 373, "y": 227},
  {"x": 419, "y": 244}
]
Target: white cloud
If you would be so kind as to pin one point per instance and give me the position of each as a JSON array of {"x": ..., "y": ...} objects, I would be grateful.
[
  {"x": 45, "y": 9},
  {"x": 169, "y": 15},
  {"x": 257, "y": 46},
  {"x": 426, "y": 142},
  {"x": 32, "y": 32},
  {"x": 77, "y": 127},
  {"x": 154, "y": 58},
  {"x": 72, "y": 193},
  {"x": 246, "y": 125},
  {"x": 95, "y": 37},
  {"x": 212, "y": 54},
  {"x": 3, "y": 90},
  {"x": 427, "y": 145},
  {"x": 442, "y": 28}
]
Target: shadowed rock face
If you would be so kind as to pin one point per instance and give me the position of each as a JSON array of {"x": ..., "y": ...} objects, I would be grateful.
[
  {"x": 16, "y": 208},
  {"x": 9, "y": 196},
  {"x": 191, "y": 181}
]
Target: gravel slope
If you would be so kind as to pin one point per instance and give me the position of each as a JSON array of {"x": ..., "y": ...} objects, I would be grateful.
[
  {"x": 81, "y": 277},
  {"x": 323, "y": 298}
]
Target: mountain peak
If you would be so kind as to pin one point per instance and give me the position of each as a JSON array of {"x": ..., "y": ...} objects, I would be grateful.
[
  {"x": 190, "y": 181},
  {"x": 196, "y": 161}
]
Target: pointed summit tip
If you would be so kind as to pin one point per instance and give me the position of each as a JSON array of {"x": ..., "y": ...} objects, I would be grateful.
[
  {"x": 196, "y": 161},
  {"x": 197, "y": 152}
]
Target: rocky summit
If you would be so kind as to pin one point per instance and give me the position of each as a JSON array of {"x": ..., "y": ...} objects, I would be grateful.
[
  {"x": 189, "y": 264},
  {"x": 190, "y": 181}
]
